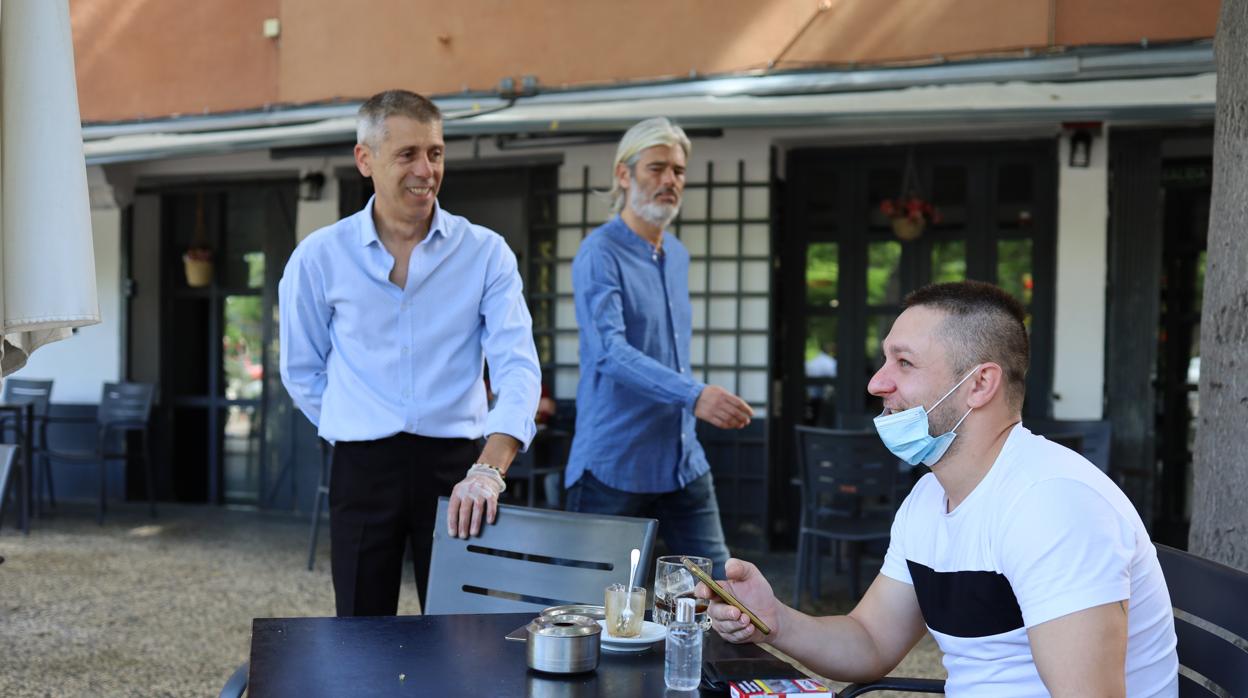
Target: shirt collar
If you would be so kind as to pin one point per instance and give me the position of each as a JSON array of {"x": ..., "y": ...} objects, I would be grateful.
[
  {"x": 368, "y": 229},
  {"x": 624, "y": 234}
]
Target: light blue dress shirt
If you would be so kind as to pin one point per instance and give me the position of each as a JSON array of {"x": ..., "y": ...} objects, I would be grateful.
[
  {"x": 365, "y": 359},
  {"x": 635, "y": 429}
]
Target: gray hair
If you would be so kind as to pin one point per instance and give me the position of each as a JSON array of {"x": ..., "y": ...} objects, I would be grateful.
[
  {"x": 645, "y": 134},
  {"x": 370, "y": 124}
]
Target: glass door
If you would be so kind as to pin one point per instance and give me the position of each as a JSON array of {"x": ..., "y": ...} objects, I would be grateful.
[
  {"x": 1185, "y": 231},
  {"x": 221, "y": 354},
  {"x": 853, "y": 267}
]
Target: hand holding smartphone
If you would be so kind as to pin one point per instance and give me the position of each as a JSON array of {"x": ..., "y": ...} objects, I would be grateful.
[{"x": 724, "y": 594}]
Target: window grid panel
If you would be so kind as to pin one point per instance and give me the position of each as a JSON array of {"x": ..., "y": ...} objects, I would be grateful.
[
  {"x": 726, "y": 241},
  {"x": 725, "y": 276},
  {"x": 541, "y": 284},
  {"x": 725, "y": 225}
]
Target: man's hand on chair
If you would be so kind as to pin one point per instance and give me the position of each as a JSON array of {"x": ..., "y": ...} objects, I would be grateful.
[{"x": 476, "y": 496}]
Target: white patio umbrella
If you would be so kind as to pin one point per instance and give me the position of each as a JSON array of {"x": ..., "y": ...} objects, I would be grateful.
[{"x": 47, "y": 265}]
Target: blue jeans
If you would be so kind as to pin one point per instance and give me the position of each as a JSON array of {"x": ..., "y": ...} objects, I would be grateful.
[{"x": 688, "y": 518}]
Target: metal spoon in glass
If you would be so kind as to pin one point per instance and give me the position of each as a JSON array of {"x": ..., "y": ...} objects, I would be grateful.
[{"x": 626, "y": 614}]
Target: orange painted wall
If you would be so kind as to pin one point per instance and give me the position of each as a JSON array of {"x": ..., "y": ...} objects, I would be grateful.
[
  {"x": 1128, "y": 21},
  {"x": 869, "y": 31},
  {"x": 151, "y": 58},
  {"x": 337, "y": 49}
]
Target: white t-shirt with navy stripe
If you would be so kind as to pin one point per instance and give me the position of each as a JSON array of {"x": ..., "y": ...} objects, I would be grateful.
[{"x": 1044, "y": 534}]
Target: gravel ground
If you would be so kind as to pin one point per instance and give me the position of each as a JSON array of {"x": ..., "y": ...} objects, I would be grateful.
[{"x": 163, "y": 607}]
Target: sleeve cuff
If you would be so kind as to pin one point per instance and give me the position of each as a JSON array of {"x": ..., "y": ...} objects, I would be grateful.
[
  {"x": 1080, "y": 600},
  {"x": 691, "y": 399},
  {"x": 899, "y": 572},
  {"x": 520, "y": 430}
]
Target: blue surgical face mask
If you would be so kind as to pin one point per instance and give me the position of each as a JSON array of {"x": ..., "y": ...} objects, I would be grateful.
[{"x": 909, "y": 437}]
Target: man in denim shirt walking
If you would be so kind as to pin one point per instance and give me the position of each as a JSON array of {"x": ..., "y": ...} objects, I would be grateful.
[{"x": 636, "y": 451}]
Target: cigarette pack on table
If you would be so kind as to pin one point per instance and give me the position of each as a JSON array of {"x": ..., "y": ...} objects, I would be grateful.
[{"x": 776, "y": 688}]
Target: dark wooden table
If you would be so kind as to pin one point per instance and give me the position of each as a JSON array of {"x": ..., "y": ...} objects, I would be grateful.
[{"x": 454, "y": 655}]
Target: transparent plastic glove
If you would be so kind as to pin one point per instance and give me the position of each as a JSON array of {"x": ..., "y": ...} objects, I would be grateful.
[{"x": 474, "y": 497}]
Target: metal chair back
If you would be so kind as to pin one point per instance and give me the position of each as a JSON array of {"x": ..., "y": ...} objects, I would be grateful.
[
  {"x": 6, "y": 469},
  {"x": 530, "y": 559},
  {"x": 842, "y": 474},
  {"x": 37, "y": 394},
  {"x": 842, "y": 469},
  {"x": 125, "y": 403},
  {"x": 124, "y": 407},
  {"x": 1093, "y": 436},
  {"x": 20, "y": 391},
  {"x": 1211, "y": 622}
]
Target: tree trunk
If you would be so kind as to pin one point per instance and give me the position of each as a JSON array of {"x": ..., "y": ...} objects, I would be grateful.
[{"x": 1220, "y": 500}]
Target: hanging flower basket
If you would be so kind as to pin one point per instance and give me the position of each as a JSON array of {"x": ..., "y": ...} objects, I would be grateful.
[
  {"x": 198, "y": 263},
  {"x": 909, "y": 213},
  {"x": 909, "y": 216},
  {"x": 198, "y": 258},
  {"x": 906, "y": 229}
]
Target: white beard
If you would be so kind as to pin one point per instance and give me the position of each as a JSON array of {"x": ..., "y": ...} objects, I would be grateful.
[{"x": 652, "y": 212}]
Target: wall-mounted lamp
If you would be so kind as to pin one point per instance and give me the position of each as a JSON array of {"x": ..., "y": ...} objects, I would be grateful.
[
  {"x": 310, "y": 186},
  {"x": 1081, "y": 135},
  {"x": 1080, "y": 148}
]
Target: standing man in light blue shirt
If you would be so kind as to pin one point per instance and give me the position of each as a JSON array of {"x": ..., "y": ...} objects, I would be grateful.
[
  {"x": 387, "y": 318},
  {"x": 636, "y": 451}
]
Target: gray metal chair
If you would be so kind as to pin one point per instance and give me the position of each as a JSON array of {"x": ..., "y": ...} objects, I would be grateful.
[
  {"x": 236, "y": 685},
  {"x": 1211, "y": 622},
  {"x": 1091, "y": 438},
  {"x": 6, "y": 469},
  {"x": 321, "y": 498},
  {"x": 530, "y": 559},
  {"x": 842, "y": 471},
  {"x": 124, "y": 408},
  {"x": 19, "y": 391}
]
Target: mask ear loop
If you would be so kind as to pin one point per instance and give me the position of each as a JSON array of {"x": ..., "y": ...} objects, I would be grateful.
[
  {"x": 955, "y": 426},
  {"x": 968, "y": 412},
  {"x": 959, "y": 385}
]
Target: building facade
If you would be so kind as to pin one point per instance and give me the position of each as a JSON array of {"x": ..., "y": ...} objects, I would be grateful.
[{"x": 1068, "y": 156}]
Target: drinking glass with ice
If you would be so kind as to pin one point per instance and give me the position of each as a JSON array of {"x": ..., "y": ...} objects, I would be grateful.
[{"x": 672, "y": 581}]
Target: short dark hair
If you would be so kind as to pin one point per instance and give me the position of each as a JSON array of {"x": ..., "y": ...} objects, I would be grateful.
[
  {"x": 370, "y": 127},
  {"x": 982, "y": 323}
]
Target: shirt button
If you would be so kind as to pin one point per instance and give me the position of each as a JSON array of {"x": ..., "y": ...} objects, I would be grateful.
[
  {"x": 406, "y": 393},
  {"x": 403, "y": 351}
]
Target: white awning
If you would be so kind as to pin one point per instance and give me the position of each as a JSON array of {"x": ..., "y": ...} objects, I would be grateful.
[
  {"x": 47, "y": 265},
  {"x": 1182, "y": 98}
]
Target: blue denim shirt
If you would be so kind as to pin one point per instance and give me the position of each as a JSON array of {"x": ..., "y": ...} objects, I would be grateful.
[{"x": 634, "y": 405}]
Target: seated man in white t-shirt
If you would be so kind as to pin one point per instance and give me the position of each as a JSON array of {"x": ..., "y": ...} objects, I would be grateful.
[{"x": 1029, "y": 567}]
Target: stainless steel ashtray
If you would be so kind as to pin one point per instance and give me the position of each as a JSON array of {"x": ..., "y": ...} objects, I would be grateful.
[
  {"x": 563, "y": 643},
  {"x": 576, "y": 609}
]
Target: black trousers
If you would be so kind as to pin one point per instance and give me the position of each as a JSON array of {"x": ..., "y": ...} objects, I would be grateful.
[{"x": 383, "y": 496}]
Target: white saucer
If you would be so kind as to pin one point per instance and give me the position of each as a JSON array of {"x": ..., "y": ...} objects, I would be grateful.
[{"x": 650, "y": 633}]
